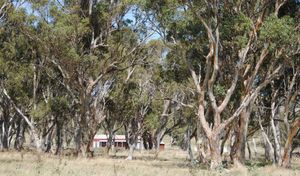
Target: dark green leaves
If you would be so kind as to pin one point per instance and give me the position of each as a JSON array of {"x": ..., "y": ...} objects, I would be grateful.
[{"x": 278, "y": 31}]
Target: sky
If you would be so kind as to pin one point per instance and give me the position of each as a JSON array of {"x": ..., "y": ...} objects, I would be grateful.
[{"x": 129, "y": 15}]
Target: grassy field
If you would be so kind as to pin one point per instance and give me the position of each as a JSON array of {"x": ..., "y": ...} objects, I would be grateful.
[{"x": 171, "y": 162}]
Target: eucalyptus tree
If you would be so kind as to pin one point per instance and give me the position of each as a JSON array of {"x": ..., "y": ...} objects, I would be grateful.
[
  {"x": 285, "y": 49},
  {"x": 77, "y": 47},
  {"x": 105, "y": 51},
  {"x": 240, "y": 52},
  {"x": 172, "y": 95},
  {"x": 132, "y": 100},
  {"x": 291, "y": 91},
  {"x": 177, "y": 106},
  {"x": 68, "y": 68},
  {"x": 17, "y": 57}
]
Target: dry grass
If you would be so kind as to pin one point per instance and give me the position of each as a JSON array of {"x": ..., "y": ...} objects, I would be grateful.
[
  {"x": 171, "y": 162},
  {"x": 31, "y": 164}
]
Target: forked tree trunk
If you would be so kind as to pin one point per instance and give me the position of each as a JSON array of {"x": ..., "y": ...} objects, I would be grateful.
[
  {"x": 288, "y": 145},
  {"x": 213, "y": 139}
]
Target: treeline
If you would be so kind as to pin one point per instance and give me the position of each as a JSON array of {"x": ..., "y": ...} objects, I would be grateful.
[{"x": 214, "y": 71}]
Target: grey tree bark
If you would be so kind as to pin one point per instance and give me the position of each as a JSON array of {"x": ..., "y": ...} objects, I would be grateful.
[{"x": 162, "y": 124}]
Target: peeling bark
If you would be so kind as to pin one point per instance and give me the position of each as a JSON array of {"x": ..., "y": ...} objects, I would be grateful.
[
  {"x": 238, "y": 149},
  {"x": 288, "y": 145}
]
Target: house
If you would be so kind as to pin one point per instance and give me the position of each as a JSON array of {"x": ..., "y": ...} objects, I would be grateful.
[
  {"x": 101, "y": 140},
  {"x": 162, "y": 146}
]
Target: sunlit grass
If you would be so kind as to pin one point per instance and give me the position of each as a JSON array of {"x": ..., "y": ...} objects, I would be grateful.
[{"x": 171, "y": 162}]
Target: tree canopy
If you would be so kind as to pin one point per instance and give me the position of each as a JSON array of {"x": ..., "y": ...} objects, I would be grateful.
[{"x": 209, "y": 70}]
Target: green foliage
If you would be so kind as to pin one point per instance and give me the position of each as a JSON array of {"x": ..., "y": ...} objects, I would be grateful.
[
  {"x": 102, "y": 12},
  {"x": 18, "y": 83},
  {"x": 42, "y": 109},
  {"x": 63, "y": 49},
  {"x": 277, "y": 31},
  {"x": 151, "y": 121},
  {"x": 59, "y": 105},
  {"x": 235, "y": 29},
  {"x": 174, "y": 68},
  {"x": 219, "y": 90},
  {"x": 127, "y": 37}
]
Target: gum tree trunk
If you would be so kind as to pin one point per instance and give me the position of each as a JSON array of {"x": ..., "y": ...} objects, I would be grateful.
[
  {"x": 20, "y": 135},
  {"x": 200, "y": 144},
  {"x": 288, "y": 145},
  {"x": 269, "y": 149},
  {"x": 131, "y": 150},
  {"x": 162, "y": 124},
  {"x": 86, "y": 144},
  {"x": 4, "y": 126},
  {"x": 216, "y": 159},
  {"x": 277, "y": 148},
  {"x": 131, "y": 138},
  {"x": 187, "y": 141},
  {"x": 238, "y": 150},
  {"x": 77, "y": 139},
  {"x": 59, "y": 138},
  {"x": 33, "y": 130}
]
